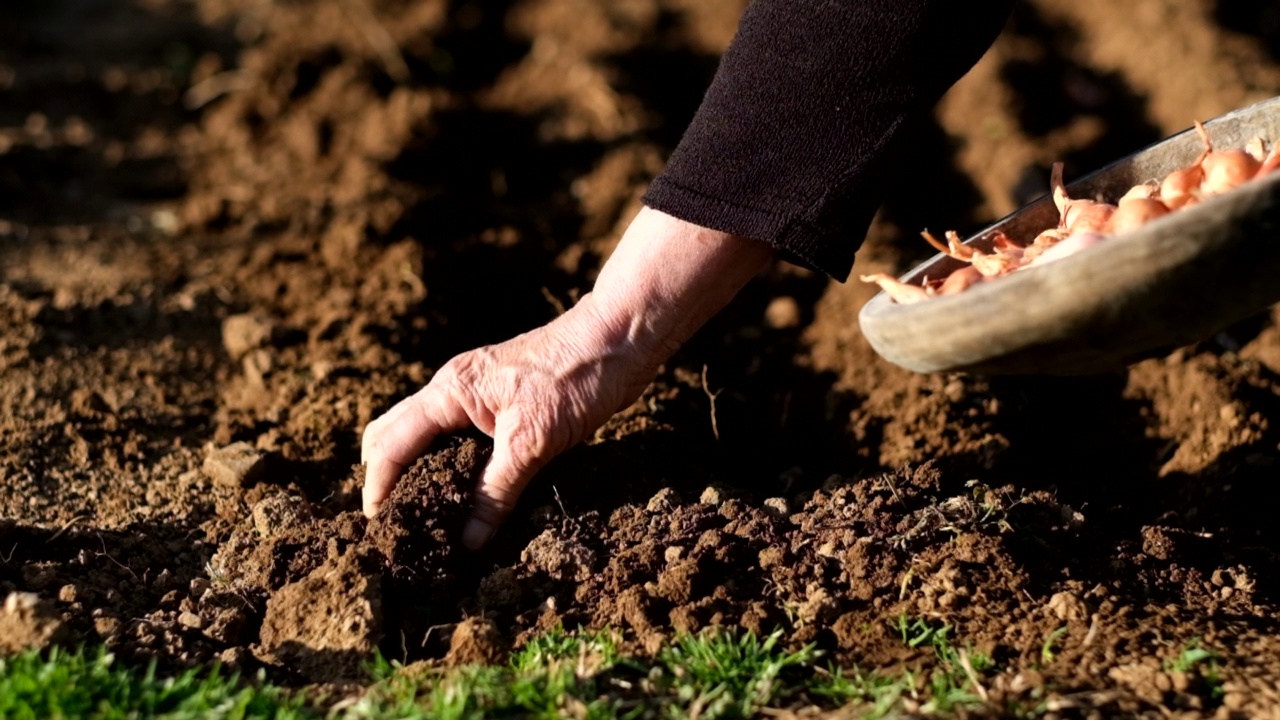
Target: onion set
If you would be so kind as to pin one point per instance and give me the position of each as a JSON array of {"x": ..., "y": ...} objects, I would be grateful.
[{"x": 1083, "y": 223}]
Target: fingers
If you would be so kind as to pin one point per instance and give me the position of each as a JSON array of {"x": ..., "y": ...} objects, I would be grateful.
[
  {"x": 392, "y": 442},
  {"x": 517, "y": 456}
]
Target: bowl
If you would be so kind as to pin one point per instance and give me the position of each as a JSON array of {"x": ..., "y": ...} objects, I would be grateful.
[{"x": 1177, "y": 280}]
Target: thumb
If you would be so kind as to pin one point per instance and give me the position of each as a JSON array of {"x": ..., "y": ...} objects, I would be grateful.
[{"x": 514, "y": 461}]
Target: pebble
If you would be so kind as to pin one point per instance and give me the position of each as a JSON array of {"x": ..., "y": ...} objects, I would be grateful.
[
  {"x": 711, "y": 496},
  {"x": 242, "y": 333},
  {"x": 782, "y": 313},
  {"x": 776, "y": 507},
  {"x": 236, "y": 465},
  {"x": 191, "y": 620}
]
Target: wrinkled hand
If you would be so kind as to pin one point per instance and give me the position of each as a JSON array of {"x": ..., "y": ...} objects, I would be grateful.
[
  {"x": 536, "y": 395},
  {"x": 542, "y": 392}
]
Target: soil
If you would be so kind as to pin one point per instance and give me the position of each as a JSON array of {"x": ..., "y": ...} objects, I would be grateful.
[{"x": 237, "y": 231}]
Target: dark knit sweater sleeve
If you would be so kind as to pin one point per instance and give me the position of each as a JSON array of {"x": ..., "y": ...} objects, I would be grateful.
[{"x": 813, "y": 106}]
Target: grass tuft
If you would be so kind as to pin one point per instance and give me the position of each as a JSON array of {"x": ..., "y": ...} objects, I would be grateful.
[
  {"x": 716, "y": 674},
  {"x": 77, "y": 684}
]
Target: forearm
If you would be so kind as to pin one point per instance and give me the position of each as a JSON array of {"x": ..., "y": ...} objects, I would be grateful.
[
  {"x": 666, "y": 279},
  {"x": 811, "y": 116}
]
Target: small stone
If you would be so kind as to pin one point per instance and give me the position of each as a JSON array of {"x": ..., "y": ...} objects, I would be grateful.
[
  {"x": 234, "y": 657},
  {"x": 663, "y": 501},
  {"x": 236, "y": 465},
  {"x": 106, "y": 627},
  {"x": 711, "y": 496},
  {"x": 242, "y": 333},
  {"x": 673, "y": 553},
  {"x": 170, "y": 599},
  {"x": 782, "y": 313},
  {"x": 191, "y": 620},
  {"x": 1067, "y": 607},
  {"x": 776, "y": 507},
  {"x": 199, "y": 585},
  {"x": 67, "y": 593},
  {"x": 257, "y": 365}
]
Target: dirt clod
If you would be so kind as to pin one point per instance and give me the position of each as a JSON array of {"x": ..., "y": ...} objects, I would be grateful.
[
  {"x": 558, "y": 557},
  {"x": 477, "y": 641},
  {"x": 326, "y": 624},
  {"x": 28, "y": 622},
  {"x": 418, "y": 529},
  {"x": 278, "y": 514}
]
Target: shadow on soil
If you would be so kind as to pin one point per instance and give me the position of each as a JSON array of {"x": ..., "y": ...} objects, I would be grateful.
[
  {"x": 1259, "y": 20},
  {"x": 67, "y": 63},
  {"x": 1052, "y": 91}
]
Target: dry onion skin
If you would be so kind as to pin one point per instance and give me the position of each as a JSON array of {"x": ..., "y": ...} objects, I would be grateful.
[{"x": 1083, "y": 223}]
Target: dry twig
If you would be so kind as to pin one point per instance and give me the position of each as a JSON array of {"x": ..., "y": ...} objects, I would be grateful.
[{"x": 715, "y": 426}]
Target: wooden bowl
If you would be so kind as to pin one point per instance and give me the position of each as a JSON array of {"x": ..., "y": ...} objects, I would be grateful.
[{"x": 1176, "y": 280}]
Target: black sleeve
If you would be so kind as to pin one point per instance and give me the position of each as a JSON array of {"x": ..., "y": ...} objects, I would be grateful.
[{"x": 812, "y": 105}]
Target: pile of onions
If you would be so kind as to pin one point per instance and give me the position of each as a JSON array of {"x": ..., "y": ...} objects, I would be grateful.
[{"x": 1083, "y": 223}]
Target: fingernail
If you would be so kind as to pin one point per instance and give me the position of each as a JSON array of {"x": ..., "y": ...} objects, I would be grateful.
[{"x": 476, "y": 534}]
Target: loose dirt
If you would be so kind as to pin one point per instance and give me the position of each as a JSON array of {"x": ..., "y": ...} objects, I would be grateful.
[{"x": 236, "y": 231}]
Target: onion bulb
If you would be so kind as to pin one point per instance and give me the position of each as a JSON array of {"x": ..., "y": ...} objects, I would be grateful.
[
  {"x": 1224, "y": 169},
  {"x": 1133, "y": 213},
  {"x": 1078, "y": 215}
]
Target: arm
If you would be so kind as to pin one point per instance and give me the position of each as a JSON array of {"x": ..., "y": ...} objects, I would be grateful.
[
  {"x": 810, "y": 110},
  {"x": 542, "y": 392},
  {"x": 812, "y": 115}
]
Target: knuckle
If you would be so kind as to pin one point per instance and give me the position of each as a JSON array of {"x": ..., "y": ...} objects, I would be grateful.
[{"x": 529, "y": 444}]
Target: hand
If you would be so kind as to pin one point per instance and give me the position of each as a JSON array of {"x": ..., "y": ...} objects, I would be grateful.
[
  {"x": 542, "y": 392},
  {"x": 536, "y": 395}
]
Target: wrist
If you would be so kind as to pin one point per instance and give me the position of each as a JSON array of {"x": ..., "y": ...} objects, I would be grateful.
[{"x": 666, "y": 278}]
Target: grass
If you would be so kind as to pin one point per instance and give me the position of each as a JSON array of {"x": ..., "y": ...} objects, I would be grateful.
[
  {"x": 716, "y": 674},
  {"x": 62, "y": 684},
  {"x": 1196, "y": 659}
]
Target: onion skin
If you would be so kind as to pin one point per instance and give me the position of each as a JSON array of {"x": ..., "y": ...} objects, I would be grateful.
[
  {"x": 1271, "y": 163},
  {"x": 1072, "y": 245},
  {"x": 1077, "y": 215},
  {"x": 900, "y": 292}
]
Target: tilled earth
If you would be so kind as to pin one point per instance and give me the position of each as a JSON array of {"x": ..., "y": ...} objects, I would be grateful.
[{"x": 236, "y": 230}]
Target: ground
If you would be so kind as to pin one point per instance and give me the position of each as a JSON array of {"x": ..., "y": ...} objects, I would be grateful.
[{"x": 235, "y": 231}]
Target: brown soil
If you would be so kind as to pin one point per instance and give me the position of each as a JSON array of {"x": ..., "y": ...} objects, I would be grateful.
[{"x": 236, "y": 231}]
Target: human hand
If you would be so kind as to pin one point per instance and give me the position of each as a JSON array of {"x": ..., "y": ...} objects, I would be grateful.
[
  {"x": 536, "y": 395},
  {"x": 542, "y": 392}
]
